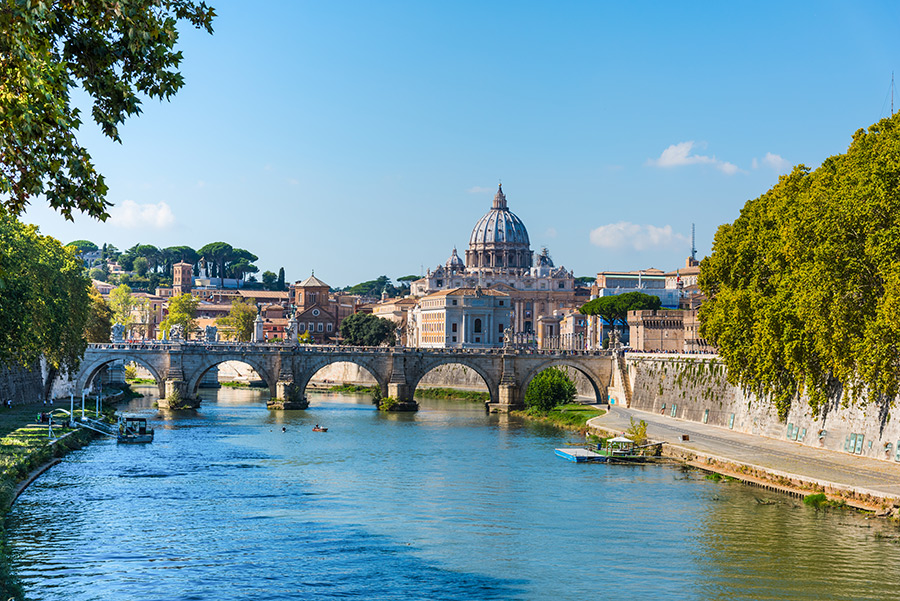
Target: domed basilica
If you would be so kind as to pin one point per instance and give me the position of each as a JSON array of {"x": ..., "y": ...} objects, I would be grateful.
[{"x": 499, "y": 257}]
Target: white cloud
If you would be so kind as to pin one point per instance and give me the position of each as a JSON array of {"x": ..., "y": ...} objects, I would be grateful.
[
  {"x": 679, "y": 155},
  {"x": 638, "y": 237},
  {"x": 776, "y": 162},
  {"x": 130, "y": 214},
  {"x": 551, "y": 232},
  {"x": 479, "y": 190}
]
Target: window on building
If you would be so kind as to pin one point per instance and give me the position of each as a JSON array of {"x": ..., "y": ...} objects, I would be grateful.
[
  {"x": 301, "y": 327},
  {"x": 440, "y": 283},
  {"x": 528, "y": 327},
  {"x": 478, "y": 339},
  {"x": 454, "y": 339},
  {"x": 477, "y": 327},
  {"x": 501, "y": 303},
  {"x": 328, "y": 327},
  {"x": 453, "y": 302},
  {"x": 453, "y": 327},
  {"x": 312, "y": 327},
  {"x": 321, "y": 326},
  {"x": 500, "y": 328},
  {"x": 562, "y": 285}
]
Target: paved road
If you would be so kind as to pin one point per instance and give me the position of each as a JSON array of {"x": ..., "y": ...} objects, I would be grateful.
[{"x": 784, "y": 456}]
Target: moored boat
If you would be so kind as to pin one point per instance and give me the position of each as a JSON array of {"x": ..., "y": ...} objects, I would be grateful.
[{"x": 134, "y": 430}]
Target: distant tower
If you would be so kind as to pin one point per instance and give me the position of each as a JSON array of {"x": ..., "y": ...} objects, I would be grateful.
[
  {"x": 182, "y": 277},
  {"x": 693, "y": 244}
]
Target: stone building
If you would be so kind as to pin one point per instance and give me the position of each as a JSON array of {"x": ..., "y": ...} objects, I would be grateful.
[
  {"x": 499, "y": 257},
  {"x": 667, "y": 331},
  {"x": 460, "y": 318}
]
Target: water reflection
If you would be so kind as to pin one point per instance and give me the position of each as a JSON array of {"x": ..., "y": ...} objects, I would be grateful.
[{"x": 446, "y": 503}]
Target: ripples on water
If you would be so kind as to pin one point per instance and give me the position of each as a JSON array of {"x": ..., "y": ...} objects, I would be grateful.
[{"x": 445, "y": 504}]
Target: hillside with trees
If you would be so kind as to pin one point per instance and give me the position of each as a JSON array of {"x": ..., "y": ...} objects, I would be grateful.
[{"x": 804, "y": 287}]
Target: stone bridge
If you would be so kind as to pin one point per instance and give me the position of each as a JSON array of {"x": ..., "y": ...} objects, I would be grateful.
[{"x": 287, "y": 369}]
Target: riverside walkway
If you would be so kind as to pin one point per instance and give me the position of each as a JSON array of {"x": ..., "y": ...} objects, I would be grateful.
[{"x": 836, "y": 472}]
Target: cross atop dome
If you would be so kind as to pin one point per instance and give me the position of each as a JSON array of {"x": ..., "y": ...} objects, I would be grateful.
[{"x": 499, "y": 198}]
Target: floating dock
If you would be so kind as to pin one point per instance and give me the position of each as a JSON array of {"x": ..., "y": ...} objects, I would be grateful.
[{"x": 580, "y": 455}]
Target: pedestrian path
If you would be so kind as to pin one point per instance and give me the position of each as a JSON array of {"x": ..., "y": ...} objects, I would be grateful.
[{"x": 831, "y": 469}]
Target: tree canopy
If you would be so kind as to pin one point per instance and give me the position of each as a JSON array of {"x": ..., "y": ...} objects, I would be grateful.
[
  {"x": 548, "y": 389},
  {"x": 182, "y": 309},
  {"x": 365, "y": 329},
  {"x": 44, "y": 300},
  {"x": 804, "y": 287},
  {"x": 238, "y": 324},
  {"x": 83, "y": 245},
  {"x": 614, "y": 309},
  {"x": 114, "y": 52}
]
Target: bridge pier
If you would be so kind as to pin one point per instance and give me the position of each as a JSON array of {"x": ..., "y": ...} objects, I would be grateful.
[
  {"x": 509, "y": 393},
  {"x": 398, "y": 387},
  {"x": 178, "y": 392},
  {"x": 288, "y": 395}
]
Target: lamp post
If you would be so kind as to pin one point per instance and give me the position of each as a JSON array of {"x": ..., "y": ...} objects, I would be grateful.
[{"x": 72, "y": 408}]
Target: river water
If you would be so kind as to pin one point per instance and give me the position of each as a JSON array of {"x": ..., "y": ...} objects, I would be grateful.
[{"x": 447, "y": 503}]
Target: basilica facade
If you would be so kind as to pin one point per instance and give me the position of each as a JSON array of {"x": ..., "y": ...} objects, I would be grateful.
[{"x": 499, "y": 258}]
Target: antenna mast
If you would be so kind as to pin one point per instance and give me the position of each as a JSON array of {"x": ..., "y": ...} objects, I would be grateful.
[{"x": 693, "y": 244}]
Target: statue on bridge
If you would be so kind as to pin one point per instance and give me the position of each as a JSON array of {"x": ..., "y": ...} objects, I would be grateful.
[
  {"x": 290, "y": 331},
  {"x": 118, "y": 333},
  {"x": 508, "y": 337},
  {"x": 211, "y": 334},
  {"x": 176, "y": 332}
]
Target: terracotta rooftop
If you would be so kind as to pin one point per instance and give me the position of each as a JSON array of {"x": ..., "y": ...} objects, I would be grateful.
[{"x": 466, "y": 292}]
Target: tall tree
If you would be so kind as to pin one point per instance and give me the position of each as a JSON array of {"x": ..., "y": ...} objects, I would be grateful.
[
  {"x": 43, "y": 298},
  {"x": 269, "y": 278},
  {"x": 123, "y": 305},
  {"x": 280, "y": 285},
  {"x": 99, "y": 321},
  {"x": 114, "y": 52},
  {"x": 238, "y": 324},
  {"x": 216, "y": 254},
  {"x": 182, "y": 310},
  {"x": 804, "y": 287}
]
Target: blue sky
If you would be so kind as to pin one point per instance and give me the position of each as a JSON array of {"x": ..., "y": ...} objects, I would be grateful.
[{"x": 367, "y": 138}]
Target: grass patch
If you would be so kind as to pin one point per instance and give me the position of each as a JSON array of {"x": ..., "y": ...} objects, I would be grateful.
[
  {"x": 819, "y": 501},
  {"x": 717, "y": 477},
  {"x": 141, "y": 381},
  {"x": 235, "y": 385},
  {"x": 569, "y": 417},
  {"x": 353, "y": 389},
  {"x": 453, "y": 394}
]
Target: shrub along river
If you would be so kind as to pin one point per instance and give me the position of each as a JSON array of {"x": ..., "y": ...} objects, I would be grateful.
[{"x": 446, "y": 503}]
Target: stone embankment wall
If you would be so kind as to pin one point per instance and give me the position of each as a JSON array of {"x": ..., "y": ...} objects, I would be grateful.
[
  {"x": 20, "y": 385},
  {"x": 695, "y": 388}
]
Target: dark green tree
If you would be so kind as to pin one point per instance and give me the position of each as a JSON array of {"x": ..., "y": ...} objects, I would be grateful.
[
  {"x": 804, "y": 286},
  {"x": 548, "y": 389},
  {"x": 113, "y": 52},
  {"x": 269, "y": 280},
  {"x": 83, "y": 245},
  {"x": 365, "y": 329},
  {"x": 614, "y": 309},
  {"x": 280, "y": 285}
]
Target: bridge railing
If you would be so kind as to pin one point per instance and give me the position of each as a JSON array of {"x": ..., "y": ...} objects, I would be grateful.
[{"x": 256, "y": 347}]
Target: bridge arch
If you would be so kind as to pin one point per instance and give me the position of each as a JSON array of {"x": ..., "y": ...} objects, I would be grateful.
[
  {"x": 313, "y": 366},
  {"x": 597, "y": 380},
  {"x": 268, "y": 373},
  {"x": 89, "y": 370},
  {"x": 426, "y": 366}
]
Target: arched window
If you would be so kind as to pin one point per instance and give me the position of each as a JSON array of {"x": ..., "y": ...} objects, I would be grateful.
[{"x": 478, "y": 326}]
